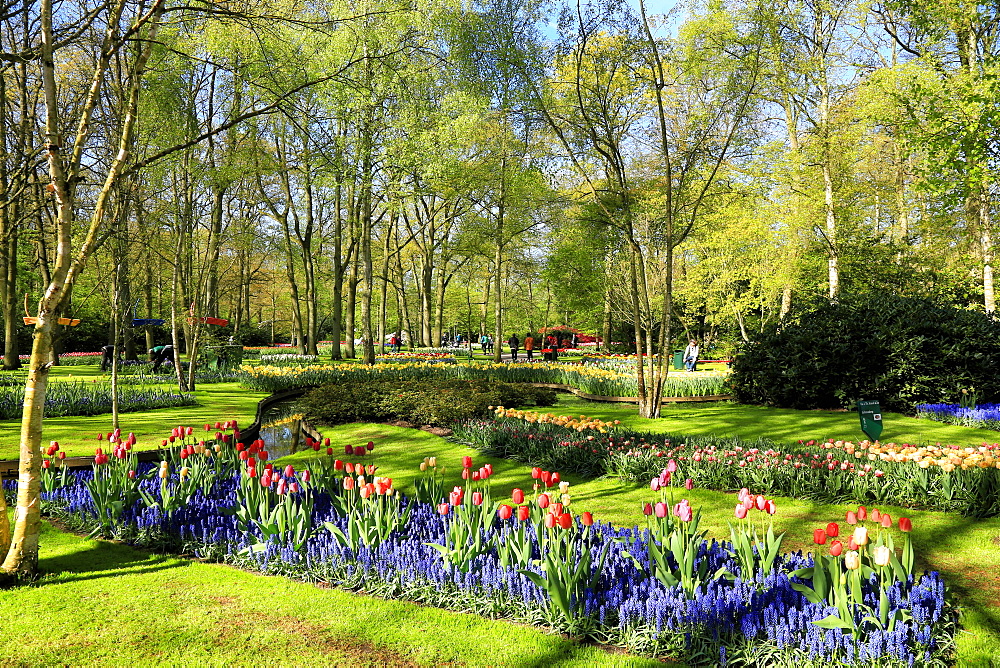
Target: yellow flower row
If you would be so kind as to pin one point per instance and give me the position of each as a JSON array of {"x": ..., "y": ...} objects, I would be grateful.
[
  {"x": 579, "y": 424},
  {"x": 948, "y": 458}
]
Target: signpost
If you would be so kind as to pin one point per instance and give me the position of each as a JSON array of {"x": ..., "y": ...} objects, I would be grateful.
[{"x": 871, "y": 418}]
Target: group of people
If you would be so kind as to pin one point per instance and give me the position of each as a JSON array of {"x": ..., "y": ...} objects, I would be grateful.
[{"x": 486, "y": 342}]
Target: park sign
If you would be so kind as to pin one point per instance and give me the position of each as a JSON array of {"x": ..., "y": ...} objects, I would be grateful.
[{"x": 871, "y": 418}]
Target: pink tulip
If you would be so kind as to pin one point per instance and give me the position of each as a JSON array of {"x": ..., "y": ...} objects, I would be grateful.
[
  {"x": 505, "y": 512},
  {"x": 543, "y": 501},
  {"x": 741, "y": 511},
  {"x": 477, "y": 498},
  {"x": 654, "y": 484},
  {"x": 689, "y": 484},
  {"x": 836, "y": 548},
  {"x": 442, "y": 508},
  {"x": 660, "y": 509},
  {"x": 289, "y": 471}
]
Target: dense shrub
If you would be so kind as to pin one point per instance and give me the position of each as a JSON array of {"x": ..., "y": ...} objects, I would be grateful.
[
  {"x": 435, "y": 402},
  {"x": 900, "y": 351}
]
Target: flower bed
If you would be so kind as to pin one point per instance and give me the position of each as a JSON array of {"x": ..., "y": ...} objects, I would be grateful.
[
  {"x": 72, "y": 398},
  {"x": 594, "y": 381},
  {"x": 280, "y": 359},
  {"x": 661, "y": 590},
  {"x": 982, "y": 416},
  {"x": 415, "y": 356},
  {"x": 947, "y": 478}
]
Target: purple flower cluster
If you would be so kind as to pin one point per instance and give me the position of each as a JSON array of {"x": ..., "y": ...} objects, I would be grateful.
[{"x": 727, "y": 616}]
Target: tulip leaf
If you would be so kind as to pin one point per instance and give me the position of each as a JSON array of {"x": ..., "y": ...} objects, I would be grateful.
[
  {"x": 811, "y": 595},
  {"x": 833, "y": 622}
]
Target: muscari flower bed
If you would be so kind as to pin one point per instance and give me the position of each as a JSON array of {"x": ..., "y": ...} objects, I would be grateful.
[
  {"x": 657, "y": 590},
  {"x": 63, "y": 398},
  {"x": 936, "y": 477},
  {"x": 981, "y": 416}
]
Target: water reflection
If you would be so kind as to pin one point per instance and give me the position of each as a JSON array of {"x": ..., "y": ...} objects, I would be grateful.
[{"x": 281, "y": 430}]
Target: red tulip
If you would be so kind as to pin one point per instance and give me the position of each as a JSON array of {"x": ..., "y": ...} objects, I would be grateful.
[
  {"x": 536, "y": 472},
  {"x": 370, "y": 446},
  {"x": 741, "y": 511},
  {"x": 306, "y": 476},
  {"x": 517, "y": 496},
  {"x": 329, "y": 451},
  {"x": 505, "y": 512},
  {"x": 252, "y": 472},
  {"x": 886, "y": 521},
  {"x": 316, "y": 446},
  {"x": 586, "y": 519},
  {"x": 819, "y": 536},
  {"x": 370, "y": 469},
  {"x": 760, "y": 502},
  {"x": 281, "y": 486},
  {"x": 100, "y": 437},
  {"x": 876, "y": 515},
  {"x": 265, "y": 480},
  {"x": 543, "y": 501},
  {"x": 62, "y": 455},
  {"x": 338, "y": 465},
  {"x": 556, "y": 509},
  {"x": 905, "y": 524},
  {"x": 365, "y": 491},
  {"x": 262, "y": 455},
  {"x": 442, "y": 509},
  {"x": 359, "y": 451},
  {"x": 477, "y": 498},
  {"x": 862, "y": 513},
  {"x": 47, "y": 464},
  {"x": 554, "y": 478},
  {"x": 647, "y": 509},
  {"x": 349, "y": 468},
  {"x": 836, "y": 548},
  {"x": 566, "y": 521},
  {"x": 832, "y": 529},
  {"x": 523, "y": 512},
  {"x": 851, "y": 545},
  {"x": 550, "y": 521},
  {"x": 546, "y": 478},
  {"x": 465, "y": 474},
  {"x": 852, "y": 517},
  {"x": 769, "y": 507},
  {"x": 467, "y": 461},
  {"x": 289, "y": 471},
  {"x": 455, "y": 498},
  {"x": 348, "y": 450},
  {"x": 689, "y": 484},
  {"x": 244, "y": 456}
]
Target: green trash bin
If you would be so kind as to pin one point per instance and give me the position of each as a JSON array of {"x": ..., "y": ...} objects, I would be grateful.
[{"x": 678, "y": 360}]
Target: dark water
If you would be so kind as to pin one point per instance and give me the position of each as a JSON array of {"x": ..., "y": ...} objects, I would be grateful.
[{"x": 282, "y": 430}]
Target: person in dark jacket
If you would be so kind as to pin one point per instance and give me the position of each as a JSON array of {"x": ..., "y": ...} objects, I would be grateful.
[
  {"x": 514, "y": 343},
  {"x": 160, "y": 354}
]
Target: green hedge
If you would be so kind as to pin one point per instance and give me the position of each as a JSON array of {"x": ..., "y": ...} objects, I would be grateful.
[
  {"x": 900, "y": 351},
  {"x": 440, "y": 402}
]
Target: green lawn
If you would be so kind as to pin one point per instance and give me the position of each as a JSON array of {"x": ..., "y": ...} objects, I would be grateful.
[
  {"x": 77, "y": 435},
  {"x": 176, "y": 611}
]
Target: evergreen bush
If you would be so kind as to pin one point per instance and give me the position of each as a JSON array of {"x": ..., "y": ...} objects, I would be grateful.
[
  {"x": 434, "y": 402},
  {"x": 900, "y": 351}
]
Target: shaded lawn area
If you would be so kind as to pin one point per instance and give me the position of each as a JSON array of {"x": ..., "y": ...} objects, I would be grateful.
[
  {"x": 77, "y": 435},
  {"x": 101, "y": 603}
]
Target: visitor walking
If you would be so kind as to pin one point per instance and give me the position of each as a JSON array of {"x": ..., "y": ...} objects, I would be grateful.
[
  {"x": 691, "y": 355},
  {"x": 484, "y": 343},
  {"x": 529, "y": 346},
  {"x": 394, "y": 344},
  {"x": 513, "y": 342}
]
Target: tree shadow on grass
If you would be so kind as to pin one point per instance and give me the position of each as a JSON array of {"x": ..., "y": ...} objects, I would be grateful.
[{"x": 93, "y": 559}]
